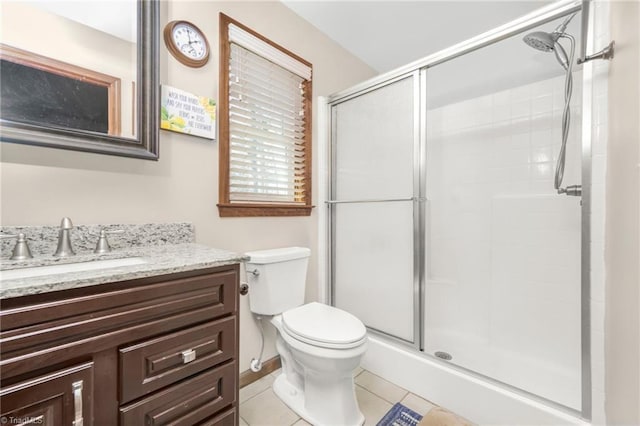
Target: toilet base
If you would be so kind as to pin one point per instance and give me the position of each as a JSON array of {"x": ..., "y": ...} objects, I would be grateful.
[{"x": 294, "y": 399}]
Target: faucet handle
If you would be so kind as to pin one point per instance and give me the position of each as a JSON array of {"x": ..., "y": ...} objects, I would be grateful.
[
  {"x": 66, "y": 223},
  {"x": 21, "y": 249},
  {"x": 102, "y": 246}
]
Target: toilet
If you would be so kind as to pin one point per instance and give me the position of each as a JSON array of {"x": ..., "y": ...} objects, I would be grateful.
[{"x": 320, "y": 346}]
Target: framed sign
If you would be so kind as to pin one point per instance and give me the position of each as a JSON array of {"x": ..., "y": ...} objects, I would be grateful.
[{"x": 184, "y": 112}]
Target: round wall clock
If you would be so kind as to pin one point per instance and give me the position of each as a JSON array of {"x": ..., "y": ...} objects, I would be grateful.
[{"x": 186, "y": 43}]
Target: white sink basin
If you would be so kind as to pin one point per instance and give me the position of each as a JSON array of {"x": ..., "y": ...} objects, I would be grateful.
[{"x": 39, "y": 271}]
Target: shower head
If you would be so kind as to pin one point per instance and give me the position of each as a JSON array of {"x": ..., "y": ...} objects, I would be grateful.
[
  {"x": 540, "y": 40},
  {"x": 546, "y": 42}
]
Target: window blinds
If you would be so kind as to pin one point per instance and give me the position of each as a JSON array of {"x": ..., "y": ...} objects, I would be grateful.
[
  {"x": 266, "y": 130},
  {"x": 263, "y": 49}
]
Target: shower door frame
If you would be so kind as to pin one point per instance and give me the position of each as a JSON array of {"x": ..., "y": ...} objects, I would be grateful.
[
  {"x": 417, "y": 196},
  {"x": 418, "y": 70}
]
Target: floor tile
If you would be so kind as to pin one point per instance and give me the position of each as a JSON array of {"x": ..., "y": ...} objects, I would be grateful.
[
  {"x": 417, "y": 404},
  {"x": 266, "y": 409},
  {"x": 261, "y": 407},
  {"x": 372, "y": 406},
  {"x": 256, "y": 387},
  {"x": 379, "y": 386}
]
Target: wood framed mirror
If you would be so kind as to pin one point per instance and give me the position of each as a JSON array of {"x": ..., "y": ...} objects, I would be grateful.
[{"x": 103, "y": 98}]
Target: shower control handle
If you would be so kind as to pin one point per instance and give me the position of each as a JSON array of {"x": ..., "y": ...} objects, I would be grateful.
[{"x": 572, "y": 190}]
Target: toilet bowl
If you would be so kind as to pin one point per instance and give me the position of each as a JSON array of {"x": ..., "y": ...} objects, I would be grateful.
[
  {"x": 320, "y": 346},
  {"x": 318, "y": 365}
]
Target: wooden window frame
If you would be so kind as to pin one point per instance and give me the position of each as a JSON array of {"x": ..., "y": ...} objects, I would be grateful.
[
  {"x": 64, "y": 69},
  {"x": 225, "y": 207}
]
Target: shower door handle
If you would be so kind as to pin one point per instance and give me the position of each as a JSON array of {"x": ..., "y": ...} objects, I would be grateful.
[{"x": 381, "y": 200}]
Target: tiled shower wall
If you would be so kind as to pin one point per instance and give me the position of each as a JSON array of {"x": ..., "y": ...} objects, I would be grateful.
[{"x": 504, "y": 249}]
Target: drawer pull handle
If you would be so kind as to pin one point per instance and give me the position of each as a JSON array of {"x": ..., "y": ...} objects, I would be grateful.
[
  {"x": 77, "y": 403},
  {"x": 188, "y": 356}
]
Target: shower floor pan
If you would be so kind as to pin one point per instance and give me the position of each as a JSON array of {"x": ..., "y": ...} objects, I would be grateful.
[{"x": 481, "y": 401}]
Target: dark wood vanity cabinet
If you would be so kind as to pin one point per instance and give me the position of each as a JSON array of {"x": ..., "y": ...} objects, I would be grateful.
[
  {"x": 152, "y": 351},
  {"x": 60, "y": 397}
]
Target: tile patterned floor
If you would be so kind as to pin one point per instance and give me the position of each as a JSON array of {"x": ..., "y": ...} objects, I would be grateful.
[{"x": 259, "y": 406}]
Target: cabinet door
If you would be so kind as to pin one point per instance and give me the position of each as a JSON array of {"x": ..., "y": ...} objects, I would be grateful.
[{"x": 62, "y": 398}]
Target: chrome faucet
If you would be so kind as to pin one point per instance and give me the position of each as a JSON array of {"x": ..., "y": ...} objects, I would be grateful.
[{"x": 64, "y": 239}]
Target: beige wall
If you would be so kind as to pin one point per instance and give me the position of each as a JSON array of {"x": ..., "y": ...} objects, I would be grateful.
[
  {"x": 41, "y": 185},
  {"x": 622, "y": 236}
]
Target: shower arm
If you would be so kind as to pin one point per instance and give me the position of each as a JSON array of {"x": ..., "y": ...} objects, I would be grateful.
[
  {"x": 560, "y": 29},
  {"x": 606, "y": 53}
]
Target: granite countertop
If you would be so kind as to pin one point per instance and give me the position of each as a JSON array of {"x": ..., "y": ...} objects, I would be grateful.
[{"x": 159, "y": 260}]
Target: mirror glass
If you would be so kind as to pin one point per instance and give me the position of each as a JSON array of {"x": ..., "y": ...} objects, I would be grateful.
[{"x": 79, "y": 75}]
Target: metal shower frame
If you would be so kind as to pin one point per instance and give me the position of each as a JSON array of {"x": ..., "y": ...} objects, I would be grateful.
[{"x": 418, "y": 71}]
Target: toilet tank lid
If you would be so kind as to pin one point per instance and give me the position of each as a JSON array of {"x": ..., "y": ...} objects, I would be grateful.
[{"x": 278, "y": 255}]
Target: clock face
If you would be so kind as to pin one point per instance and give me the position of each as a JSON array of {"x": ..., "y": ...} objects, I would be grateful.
[{"x": 189, "y": 41}]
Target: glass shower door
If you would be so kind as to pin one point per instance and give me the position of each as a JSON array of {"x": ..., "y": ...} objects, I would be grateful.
[
  {"x": 502, "y": 282},
  {"x": 374, "y": 146}
]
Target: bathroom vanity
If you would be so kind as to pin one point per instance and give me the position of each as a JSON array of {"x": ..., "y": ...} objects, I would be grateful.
[{"x": 153, "y": 343}]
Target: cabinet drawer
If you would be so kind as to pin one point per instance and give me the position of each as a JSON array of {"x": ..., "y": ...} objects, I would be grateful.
[
  {"x": 187, "y": 403},
  {"x": 59, "y": 398},
  {"x": 53, "y": 332},
  {"x": 228, "y": 418},
  {"x": 104, "y": 313},
  {"x": 156, "y": 363}
]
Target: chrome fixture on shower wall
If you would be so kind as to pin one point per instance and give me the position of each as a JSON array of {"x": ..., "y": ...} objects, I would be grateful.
[
  {"x": 549, "y": 42},
  {"x": 606, "y": 53},
  {"x": 546, "y": 42}
]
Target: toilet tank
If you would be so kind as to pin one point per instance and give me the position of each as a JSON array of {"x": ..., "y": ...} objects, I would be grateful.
[{"x": 276, "y": 279}]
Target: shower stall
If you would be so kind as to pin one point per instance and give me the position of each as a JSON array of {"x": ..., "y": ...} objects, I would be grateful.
[{"x": 457, "y": 227}]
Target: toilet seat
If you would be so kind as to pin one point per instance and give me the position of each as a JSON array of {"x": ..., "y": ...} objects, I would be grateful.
[{"x": 324, "y": 326}]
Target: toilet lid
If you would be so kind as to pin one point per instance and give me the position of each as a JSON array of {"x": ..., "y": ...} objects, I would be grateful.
[{"x": 319, "y": 324}]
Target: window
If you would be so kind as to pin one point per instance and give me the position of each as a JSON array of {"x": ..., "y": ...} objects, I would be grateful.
[{"x": 265, "y": 126}]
